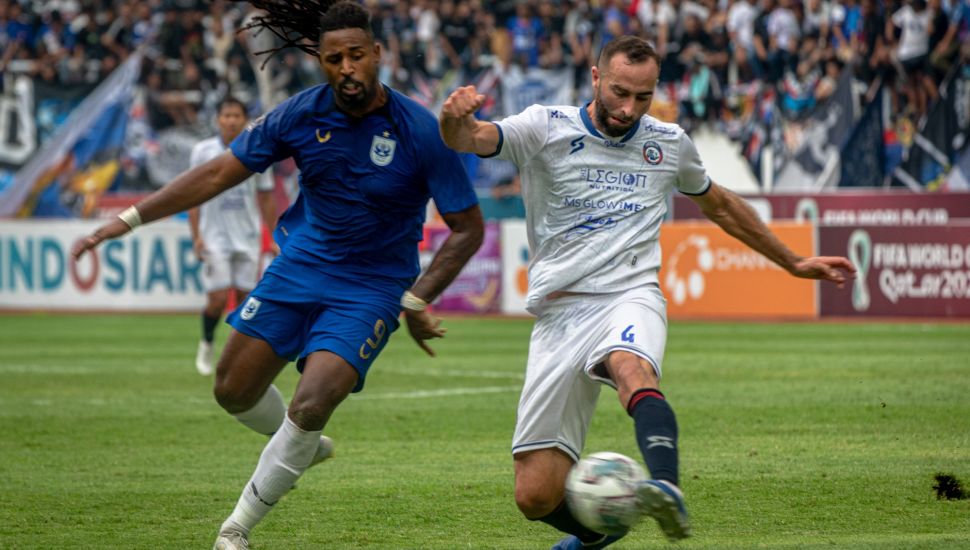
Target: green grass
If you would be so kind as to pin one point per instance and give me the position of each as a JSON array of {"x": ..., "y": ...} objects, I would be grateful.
[{"x": 792, "y": 436}]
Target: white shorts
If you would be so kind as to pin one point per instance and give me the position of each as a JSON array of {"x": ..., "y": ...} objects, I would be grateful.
[
  {"x": 572, "y": 337},
  {"x": 224, "y": 269}
]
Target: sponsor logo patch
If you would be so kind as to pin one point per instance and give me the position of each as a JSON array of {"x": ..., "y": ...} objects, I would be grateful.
[{"x": 577, "y": 144}]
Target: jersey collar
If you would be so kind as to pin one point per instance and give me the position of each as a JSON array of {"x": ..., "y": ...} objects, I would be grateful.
[{"x": 584, "y": 115}]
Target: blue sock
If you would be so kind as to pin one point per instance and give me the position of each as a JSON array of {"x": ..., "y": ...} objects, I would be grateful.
[{"x": 656, "y": 430}]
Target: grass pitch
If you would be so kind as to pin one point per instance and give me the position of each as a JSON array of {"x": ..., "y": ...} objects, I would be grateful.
[{"x": 793, "y": 436}]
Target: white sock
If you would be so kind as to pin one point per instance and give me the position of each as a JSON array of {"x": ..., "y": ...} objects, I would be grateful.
[
  {"x": 267, "y": 414},
  {"x": 285, "y": 458}
]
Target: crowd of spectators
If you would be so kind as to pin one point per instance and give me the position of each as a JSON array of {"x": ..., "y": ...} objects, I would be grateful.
[
  {"x": 193, "y": 54},
  {"x": 713, "y": 50}
]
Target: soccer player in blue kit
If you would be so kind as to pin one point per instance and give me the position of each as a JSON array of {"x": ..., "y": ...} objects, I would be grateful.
[{"x": 369, "y": 160}]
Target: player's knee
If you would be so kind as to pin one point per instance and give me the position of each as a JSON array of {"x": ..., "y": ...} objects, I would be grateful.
[
  {"x": 311, "y": 410},
  {"x": 535, "y": 502},
  {"x": 232, "y": 397},
  {"x": 310, "y": 415},
  {"x": 229, "y": 399}
]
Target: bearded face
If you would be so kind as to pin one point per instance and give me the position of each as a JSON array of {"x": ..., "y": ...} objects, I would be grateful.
[
  {"x": 354, "y": 95},
  {"x": 622, "y": 93},
  {"x": 350, "y": 59},
  {"x": 610, "y": 118}
]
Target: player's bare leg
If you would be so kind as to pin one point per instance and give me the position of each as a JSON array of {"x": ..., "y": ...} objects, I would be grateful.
[
  {"x": 245, "y": 390},
  {"x": 215, "y": 304},
  {"x": 540, "y": 491},
  {"x": 656, "y": 432},
  {"x": 540, "y": 481},
  {"x": 243, "y": 385},
  {"x": 326, "y": 381}
]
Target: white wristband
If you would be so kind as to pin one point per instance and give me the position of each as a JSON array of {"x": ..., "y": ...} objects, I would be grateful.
[
  {"x": 411, "y": 302},
  {"x": 131, "y": 216}
]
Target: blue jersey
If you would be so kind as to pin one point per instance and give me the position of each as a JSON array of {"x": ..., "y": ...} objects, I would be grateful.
[{"x": 364, "y": 182}]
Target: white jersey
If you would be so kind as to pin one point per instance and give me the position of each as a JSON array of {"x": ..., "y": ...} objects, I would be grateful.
[
  {"x": 230, "y": 221},
  {"x": 594, "y": 204},
  {"x": 914, "y": 39}
]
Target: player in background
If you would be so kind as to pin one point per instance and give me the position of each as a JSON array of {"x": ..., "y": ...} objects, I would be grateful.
[
  {"x": 369, "y": 160},
  {"x": 595, "y": 181},
  {"x": 226, "y": 231}
]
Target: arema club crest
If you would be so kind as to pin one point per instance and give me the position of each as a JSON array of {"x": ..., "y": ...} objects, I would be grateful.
[
  {"x": 652, "y": 153},
  {"x": 382, "y": 150}
]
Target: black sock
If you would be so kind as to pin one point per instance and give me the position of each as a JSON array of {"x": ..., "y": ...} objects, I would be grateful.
[
  {"x": 209, "y": 327},
  {"x": 561, "y": 518},
  {"x": 656, "y": 429}
]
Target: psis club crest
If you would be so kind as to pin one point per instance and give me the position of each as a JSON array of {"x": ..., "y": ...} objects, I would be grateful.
[
  {"x": 250, "y": 309},
  {"x": 382, "y": 150},
  {"x": 652, "y": 153}
]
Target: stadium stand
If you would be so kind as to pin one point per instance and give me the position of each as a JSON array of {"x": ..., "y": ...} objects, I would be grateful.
[{"x": 757, "y": 72}]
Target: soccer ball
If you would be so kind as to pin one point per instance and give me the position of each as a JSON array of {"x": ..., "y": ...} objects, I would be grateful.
[{"x": 602, "y": 492}]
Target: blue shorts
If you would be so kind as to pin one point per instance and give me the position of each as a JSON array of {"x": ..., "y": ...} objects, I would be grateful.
[{"x": 298, "y": 308}]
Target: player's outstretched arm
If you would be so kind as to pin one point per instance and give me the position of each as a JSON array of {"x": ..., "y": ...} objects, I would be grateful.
[
  {"x": 467, "y": 231},
  {"x": 739, "y": 220},
  {"x": 189, "y": 189},
  {"x": 459, "y": 128}
]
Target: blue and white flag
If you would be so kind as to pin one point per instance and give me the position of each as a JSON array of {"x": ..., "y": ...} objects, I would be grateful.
[{"x": 81, "y": 156}]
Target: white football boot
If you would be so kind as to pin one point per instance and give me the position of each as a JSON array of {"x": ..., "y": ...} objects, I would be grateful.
[
  {"x": 203, "y": 358},
  {"x": 231, "y": 540}
]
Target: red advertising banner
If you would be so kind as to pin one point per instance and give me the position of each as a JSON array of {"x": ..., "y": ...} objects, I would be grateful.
[
  {"x": 849, "y": 208},
  {"x": 477, "y": 289},
  {"x": 903, "y": 271}
]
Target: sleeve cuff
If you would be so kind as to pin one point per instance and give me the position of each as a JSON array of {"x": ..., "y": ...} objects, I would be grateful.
[{"x": 501, "y": 141}]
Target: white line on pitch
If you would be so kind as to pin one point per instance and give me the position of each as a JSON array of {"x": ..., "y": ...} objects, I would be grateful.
[
  {"x": 454, "y": 374},
  {"x": 423, "y": 394},
  {"x": 23, "y": 368}
]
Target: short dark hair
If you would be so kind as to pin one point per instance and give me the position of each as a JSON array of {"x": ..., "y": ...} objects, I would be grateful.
[
  {"x": 346, "y": 15},
  {"x": 636, "y": 49},
  {"x": 230, "y": 100}
]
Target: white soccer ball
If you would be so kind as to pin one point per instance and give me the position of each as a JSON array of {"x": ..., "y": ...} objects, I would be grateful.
[{"x": 601, "y": 492}]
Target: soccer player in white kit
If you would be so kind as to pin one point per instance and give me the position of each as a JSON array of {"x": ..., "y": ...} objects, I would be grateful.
[
  {"x": 595, "y": 181},
  {"x": 226, "y": 231}
]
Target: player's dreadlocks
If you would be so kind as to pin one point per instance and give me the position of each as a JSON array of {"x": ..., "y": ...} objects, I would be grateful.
[{"x": 300, "y": 23}]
